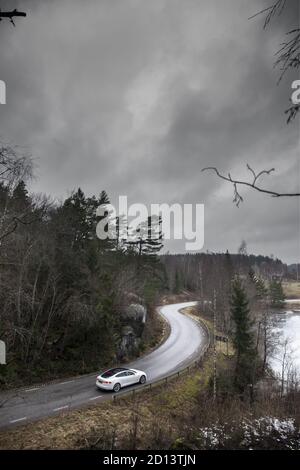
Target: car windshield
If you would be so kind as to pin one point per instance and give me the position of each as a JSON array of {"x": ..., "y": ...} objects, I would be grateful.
[{"x": 111, "y": 372}]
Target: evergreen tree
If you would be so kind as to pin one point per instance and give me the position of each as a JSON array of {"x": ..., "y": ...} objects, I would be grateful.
[
  {"x": 243, "y": 336},
  {"x": 259, "y": 283},
  {"x": 108, "y": 244},
  {"x": 148, "y": 239},
  {"x": 177, "y": 286},
  {"x": 74, "y": 214},
  {"x": 229, "y": 269},
  {"x": 276, "y": 293},
  {"x": 20, "y": 197}
]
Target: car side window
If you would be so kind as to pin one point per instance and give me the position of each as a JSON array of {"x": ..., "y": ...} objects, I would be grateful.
[
  {"x": 130, "y": 373},
  {"x": 122, "y": 374}
]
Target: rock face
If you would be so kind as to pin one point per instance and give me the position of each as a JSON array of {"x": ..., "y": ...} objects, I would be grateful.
[
  {"x": 136, "y": 312},
  {"x": 129, "y": 342},
  {"x": 133, "y": 318}
]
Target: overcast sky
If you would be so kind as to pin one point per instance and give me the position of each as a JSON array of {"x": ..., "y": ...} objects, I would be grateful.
[{"x": 136, "y": 96}]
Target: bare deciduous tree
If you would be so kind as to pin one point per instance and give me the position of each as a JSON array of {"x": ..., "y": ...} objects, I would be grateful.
[{"x": 15, "y": 167}]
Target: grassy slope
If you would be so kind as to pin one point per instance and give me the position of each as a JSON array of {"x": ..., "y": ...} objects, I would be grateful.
[
  {"x": 158, "y": 408},
  {"x": 291, "y": 289}
]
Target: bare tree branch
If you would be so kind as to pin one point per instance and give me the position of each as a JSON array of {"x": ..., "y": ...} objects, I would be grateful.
[
  {"x": 11, "y": 14},
  {"x": 14, "y": 225},
  {"x": 288, "y": 56},
  {"x": 275, "y": 9},
  {"x": 252, "y": 184},
  {"x": 292, "y": 112},
  {"x": 289, "y": 53},
  {"x": 14, "y": 166}
]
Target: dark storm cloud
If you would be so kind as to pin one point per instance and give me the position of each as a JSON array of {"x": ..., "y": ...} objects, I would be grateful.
[{"x": 136, "y": 97}]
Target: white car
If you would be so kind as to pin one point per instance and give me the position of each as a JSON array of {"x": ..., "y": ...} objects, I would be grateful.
[{"x": 115, "y": 379}]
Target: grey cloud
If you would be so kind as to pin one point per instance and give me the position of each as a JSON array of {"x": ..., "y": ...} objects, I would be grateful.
[{"x": 135, "y": 97}]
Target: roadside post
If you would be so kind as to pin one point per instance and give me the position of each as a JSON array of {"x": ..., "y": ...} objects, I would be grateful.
[{"x": 2, "y": 353}]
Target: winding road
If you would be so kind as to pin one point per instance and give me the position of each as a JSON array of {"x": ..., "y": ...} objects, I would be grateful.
[{"x": 186, "y": 342}]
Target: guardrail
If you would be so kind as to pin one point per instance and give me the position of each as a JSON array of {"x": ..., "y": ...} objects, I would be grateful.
[{"x": 166, "y": 379}]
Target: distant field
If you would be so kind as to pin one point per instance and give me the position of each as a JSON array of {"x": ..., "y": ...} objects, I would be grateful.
[{"x": 291, "y": 289}]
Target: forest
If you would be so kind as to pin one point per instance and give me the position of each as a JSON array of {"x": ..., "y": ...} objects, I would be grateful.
[
  {"x": 70, "y": 302},
  {"x": 63, "y": 291}
]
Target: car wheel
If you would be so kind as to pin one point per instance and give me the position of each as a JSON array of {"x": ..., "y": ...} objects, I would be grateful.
[
  {"x": 142, "y": 379},
  {"x": 117, "y": 387}
]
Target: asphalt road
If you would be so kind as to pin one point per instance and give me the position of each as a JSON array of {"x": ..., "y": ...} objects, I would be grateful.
[{"x": 184, "y": 345}]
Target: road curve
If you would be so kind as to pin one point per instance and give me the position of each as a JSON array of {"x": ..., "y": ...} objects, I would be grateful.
[{"x": 186, "y": 342}]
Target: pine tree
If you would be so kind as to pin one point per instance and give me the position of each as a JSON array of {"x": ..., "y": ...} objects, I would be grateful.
[
  {"x": 229, "y": 269},
  {"x": 259, "y": 283},
  {"x": 20, "y": 197},
  {"x": 109, "y": 244},
  {"x": 177, "y": 287},
  {"x": 276, "y": 293},
  {"x": 243, "y": 336},
  {"x": 74, "y": 213},
  {"x": 148, "y": 240}
]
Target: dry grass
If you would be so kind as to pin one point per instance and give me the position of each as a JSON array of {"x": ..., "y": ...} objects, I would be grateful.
[
  {"x": 72, "y": 430},
  {"x": 291, "y": 289},
  {"x": 222, "y": 348}
]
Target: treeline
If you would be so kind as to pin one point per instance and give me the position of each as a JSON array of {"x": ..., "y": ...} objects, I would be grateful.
[
  {"x": 215, "y": 280},
  {"x": 205, "y": 272},
  {"x": 62, "y": 289},
  {"x": 238, "y": 294}
]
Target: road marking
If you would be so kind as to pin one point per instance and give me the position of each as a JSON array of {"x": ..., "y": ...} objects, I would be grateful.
[
  {"x": 32, "y": 389},
  {"x": 19, "y": 419},
  {"x": 61, "y": 408},
  {"x": 68, "y": 382}
]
